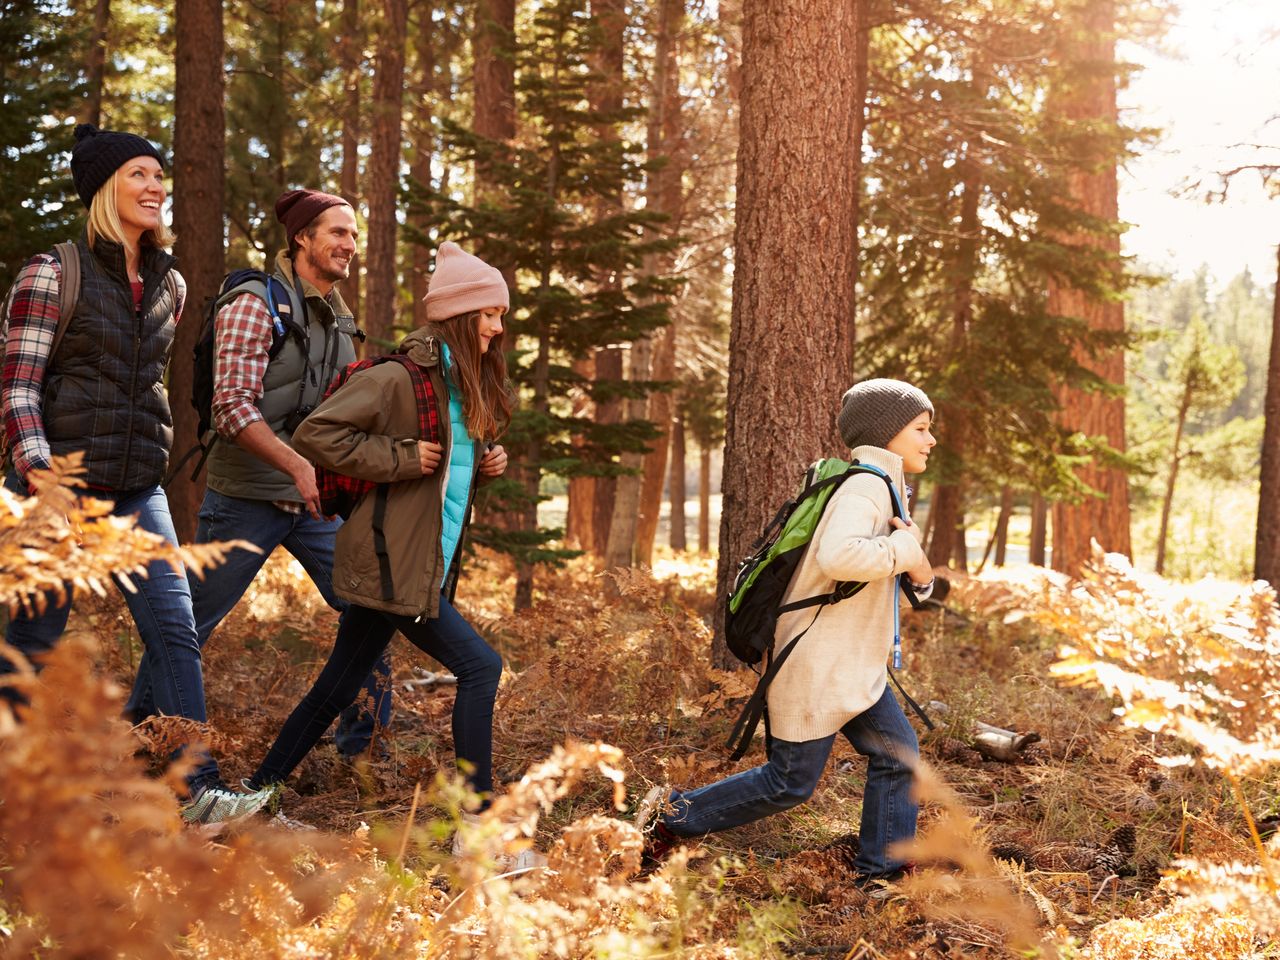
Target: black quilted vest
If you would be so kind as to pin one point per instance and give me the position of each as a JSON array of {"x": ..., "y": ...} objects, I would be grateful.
[{"x": 104, "y": 391}]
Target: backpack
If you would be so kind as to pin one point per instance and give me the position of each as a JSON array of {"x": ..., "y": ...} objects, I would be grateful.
[
  {"x": 288, "y": 313},
  {"x": 339, "y": 494},
  {"x": 755, "y": 600}
]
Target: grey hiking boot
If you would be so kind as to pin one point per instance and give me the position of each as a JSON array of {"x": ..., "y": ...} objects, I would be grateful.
[{"x": 219, "y": 804}]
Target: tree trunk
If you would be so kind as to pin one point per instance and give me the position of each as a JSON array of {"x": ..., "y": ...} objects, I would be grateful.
[
  {"x": 1002, "y": 525},
  {"x": 383, "y": 188},
  {"x": 1184, "y": 407},
  {"x": 95, "y": 64},
  {"x": 199, "y": 138},
  {"x": 494, "y": 79},
  {"x": 1039, "y": 530},
  {"x": 1266, "y": 564},
  {"x": 349, "y": 59},
  {"x": 1092, "y": 99},
  {"x": 579, "y": 517},
  {"x": 620, "y": 547},
  {"x": 795, "y": 258},
  {"x": 663, "y": 196},
  {"x": 605, "y": 492},
  {"x": 704, "y": 500},
  {"x": 676, "y": 486},
  {"x": 421, "y": 219}
]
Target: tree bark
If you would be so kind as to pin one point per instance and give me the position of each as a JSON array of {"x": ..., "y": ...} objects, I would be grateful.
[
  {"x": 796, "y": 245},
  {"x": 349, "y": 58},
  {"x": 494, "y": 79},
  {"x": 1266, "y": 564},
  {"x": 1184, "y": 407},
  {"x": 1039, "y": 531},
  {"x": 1092, "y": 99},
  {"x": 383, "y": 188},
  {"x": 704, "y": 500},
  {"x": 420, "y": 171},
  {"x": 676, "y": 486},
  {"x": 95, "y": 64},
  {"x": 1002, "y": 525},
  {"x": 199, "y": 139}
]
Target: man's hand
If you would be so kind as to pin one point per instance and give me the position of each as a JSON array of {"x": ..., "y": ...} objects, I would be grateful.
[
  {"x": 923, "y": 573},
  {"x": 429, "y": 456},
  {"x": 494, "y": 461},
  {"x": 304, "y": 478}
]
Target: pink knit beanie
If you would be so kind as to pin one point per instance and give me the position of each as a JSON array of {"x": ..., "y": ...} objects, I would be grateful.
[{"x": 463, "y": 283}]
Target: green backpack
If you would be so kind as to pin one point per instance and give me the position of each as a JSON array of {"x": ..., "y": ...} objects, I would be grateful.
[{"x": 756, "y": 599}]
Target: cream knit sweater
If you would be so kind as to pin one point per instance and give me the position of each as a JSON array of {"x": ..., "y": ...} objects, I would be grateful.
[{"x": 838, "y": 670}]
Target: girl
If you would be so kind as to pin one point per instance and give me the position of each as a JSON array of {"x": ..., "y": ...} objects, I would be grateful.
[
  {"x": 834, "y": 681},
  {"x": 369, "y": 429},
  {"x": 102, "y": 393}
]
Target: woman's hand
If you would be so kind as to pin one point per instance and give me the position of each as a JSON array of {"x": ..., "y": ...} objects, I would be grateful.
[
  {"x": 494, "y": 461},
  {"x": 922, "y": 574},
  {"x": 429, "y": 456}
]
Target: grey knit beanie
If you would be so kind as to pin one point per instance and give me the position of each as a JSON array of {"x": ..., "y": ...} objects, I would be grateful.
[
  {"x": 875, "y": 411},
  {"x": 97, "y": 154}
]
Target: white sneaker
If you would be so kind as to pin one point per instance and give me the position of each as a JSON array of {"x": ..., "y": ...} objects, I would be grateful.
[{"x": 222, "y": 805}]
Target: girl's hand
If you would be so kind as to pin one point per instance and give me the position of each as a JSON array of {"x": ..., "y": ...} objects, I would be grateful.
[
  {"x": 429, "y": 456},
  {"x": 494, "y": 461}
]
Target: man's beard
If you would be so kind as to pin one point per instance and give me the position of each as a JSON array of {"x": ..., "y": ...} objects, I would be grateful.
[{"x": 325, "y": 273}]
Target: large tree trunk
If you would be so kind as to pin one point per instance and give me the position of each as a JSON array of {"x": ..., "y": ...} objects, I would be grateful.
[
  {"x": 676, "y": 486},
  {"x": 494, "y": 79},
  {"x": 1039, "y": 531},
  {"x": 199, "y": 136},
  {"x": 420, "y": 171},
  {"x": 95, "y": 64},
  {"x": 1092, "y": 99},
  {"x": 664, "y": 196},
  {"x": 1002, "y": 525},
  {"x": 795, "y": 258},
  {"x": 383, "y": 189},
  {"x": 350, "y": 63},
  {"x": 1266, "y": 564},
  {"x": 704, "y": 499}
]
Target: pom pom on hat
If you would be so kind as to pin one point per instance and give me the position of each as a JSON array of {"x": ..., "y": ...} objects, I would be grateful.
[
  {"x": 463, "y": 283},
  {"x": 97, "y": 154}
]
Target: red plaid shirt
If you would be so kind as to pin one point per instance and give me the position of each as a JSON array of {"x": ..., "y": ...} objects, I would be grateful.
[
  {"x": 33, "y": 322},
  {"x": 242, "y": 332}
]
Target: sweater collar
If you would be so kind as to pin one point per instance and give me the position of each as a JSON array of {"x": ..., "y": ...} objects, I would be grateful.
[
  {"x": 890, "y": 463},
  {"x": 284, "y": 266}
]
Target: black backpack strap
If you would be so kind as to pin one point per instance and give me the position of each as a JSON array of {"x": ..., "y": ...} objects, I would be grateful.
[
  {"x": 380, "y": 541},
  {"x": 915, "y": 707}
]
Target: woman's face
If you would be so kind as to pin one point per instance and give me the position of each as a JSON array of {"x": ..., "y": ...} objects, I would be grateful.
[
  {"x": 140, "y": 195},
  {"x": 488, "y": 326},
  {"x": 913, "y": 444}
]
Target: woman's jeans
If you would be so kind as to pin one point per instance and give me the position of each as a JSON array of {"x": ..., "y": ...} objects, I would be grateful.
[
  {"x": 362, "y": 638},
  {"x": 881, "y": 734},
  {"x": 161, "y": 608}
]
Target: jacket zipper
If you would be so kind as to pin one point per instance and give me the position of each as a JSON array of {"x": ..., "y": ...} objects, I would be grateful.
[{"x": 133, "y": 387}]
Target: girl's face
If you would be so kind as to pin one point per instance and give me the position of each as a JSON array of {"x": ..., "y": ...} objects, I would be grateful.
[
  {"x": 140, "y": 194},
  {"x": 913, "y": 443},
  {"x": 488, "y": 326}
]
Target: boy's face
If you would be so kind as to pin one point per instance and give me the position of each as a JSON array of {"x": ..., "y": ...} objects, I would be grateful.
[{"x": 913, "y": 443}]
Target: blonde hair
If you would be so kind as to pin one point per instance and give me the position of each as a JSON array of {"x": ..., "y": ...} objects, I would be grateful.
[{"x": 104, "y": 219}]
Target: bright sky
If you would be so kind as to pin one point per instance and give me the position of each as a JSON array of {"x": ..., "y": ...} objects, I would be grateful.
[{"x": 1212, "y": 87}]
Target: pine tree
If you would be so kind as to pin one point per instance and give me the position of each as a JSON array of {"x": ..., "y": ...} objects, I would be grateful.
[{"x": 1267, "y": 551}]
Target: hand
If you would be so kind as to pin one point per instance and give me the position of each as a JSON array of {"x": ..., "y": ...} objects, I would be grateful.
[
  {"x": 429, "y": 456},
  {"x": 923, "y": 573},
  {"x": 304, "y": 478},
  {"x": 494, "y": 461}
]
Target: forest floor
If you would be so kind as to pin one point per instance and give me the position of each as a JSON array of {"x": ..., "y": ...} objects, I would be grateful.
[{"x": 632, "y": 671}]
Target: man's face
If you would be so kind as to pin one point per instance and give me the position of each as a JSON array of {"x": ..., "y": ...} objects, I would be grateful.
[{"x": 329, "y": 243}]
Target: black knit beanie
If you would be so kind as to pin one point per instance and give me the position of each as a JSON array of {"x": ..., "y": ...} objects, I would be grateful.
[
  {"x": 875, "y": 411},
  {"x": 98, "y": 154}
]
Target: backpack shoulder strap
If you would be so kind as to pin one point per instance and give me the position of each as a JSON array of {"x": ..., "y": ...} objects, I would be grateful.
[{"x": 68, "y": 255}]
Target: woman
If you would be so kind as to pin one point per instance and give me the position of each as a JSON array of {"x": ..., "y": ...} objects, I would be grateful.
[
  {"x": 370, "y": 429},
  {"x": 102, "y": 393}
]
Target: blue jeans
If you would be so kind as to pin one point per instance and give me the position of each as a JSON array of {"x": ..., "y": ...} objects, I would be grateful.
[
  {"x": 362, "y": 637},
  {"x": 267, "y": 526},
  {"x": 161, "y": 608},
  {"x": 880, "y": 733}
]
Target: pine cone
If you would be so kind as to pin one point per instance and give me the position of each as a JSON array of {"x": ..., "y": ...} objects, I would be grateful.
[{"x": 1118, "y": 851}]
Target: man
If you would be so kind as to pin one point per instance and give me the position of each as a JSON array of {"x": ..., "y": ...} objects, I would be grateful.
[{"x": 259, "y": 488}]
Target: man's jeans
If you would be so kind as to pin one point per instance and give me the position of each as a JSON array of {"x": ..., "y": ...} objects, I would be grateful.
[
  {"x": 161, "y": 608},
  {"x": 881, "y": 734},
  {"x": 362, "y": 638},
  {"x": 311, "y": 542}
]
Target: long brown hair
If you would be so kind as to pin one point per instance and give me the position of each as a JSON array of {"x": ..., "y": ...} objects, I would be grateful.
[{"x": 486, "y": 392}]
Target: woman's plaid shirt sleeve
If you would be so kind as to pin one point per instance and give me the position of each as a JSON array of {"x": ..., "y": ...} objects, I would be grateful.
[{"x": 33, "y": 323}]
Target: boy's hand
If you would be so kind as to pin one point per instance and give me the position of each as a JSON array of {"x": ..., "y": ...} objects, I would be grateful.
[{"x": 923, "y": 573}]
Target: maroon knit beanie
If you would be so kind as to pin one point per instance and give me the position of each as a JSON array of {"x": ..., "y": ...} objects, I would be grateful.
[{"x": 297, "y": 208}]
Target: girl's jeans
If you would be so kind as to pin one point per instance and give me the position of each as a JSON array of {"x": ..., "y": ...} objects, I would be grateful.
[
  {"x": 161, "y": 608},
  {"x": 880, "y": 733},
  {"x": 362, "y": 638}
]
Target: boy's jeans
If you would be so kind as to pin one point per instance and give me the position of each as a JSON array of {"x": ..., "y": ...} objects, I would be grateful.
[
  {"x": 880, "y": 733},
  {"x": 161, "y": 608},
  {"x": 265, "y": 525}
]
